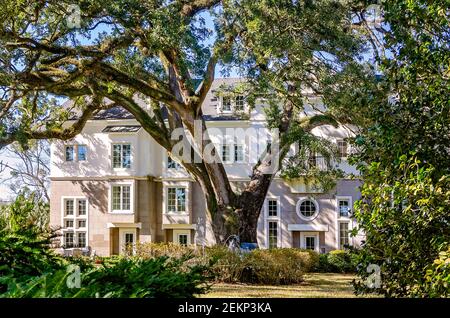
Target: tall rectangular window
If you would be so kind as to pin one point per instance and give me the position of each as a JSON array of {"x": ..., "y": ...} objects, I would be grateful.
[
  {"x": 81, "y": 239},
  {"x": 176, "y": 199},
  {"x": 344, "y": 207},
  {"x": 81, "y": 153},
  {"x": 121, "y": 156},
  {"x": 342, "y": 148},
  {"x": 272, "y": 207},
  {"x": 69, "y": 207},
  {"x": 69, "y": 153},
  {"x": 226, "y": 104},
  {"x": 273, "y": 234},
  {"x": 238, "y": 153},
  {"x": 226, "y": 153},
  {"x": 129, "y": 238},
  {"x": 343, "y": 235},
  {"x": 121, "y": 198},
  {"x": 310, "y": 242},
  {"x": 82, "y": 207},
  {"x": 69, "y": 239},
  {"x": 239, "y": 103}
]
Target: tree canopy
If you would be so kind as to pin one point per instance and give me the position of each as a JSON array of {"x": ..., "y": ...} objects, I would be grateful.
[
  {"x": 160, "y": 51},
  {"x": 404, "y": 155}
]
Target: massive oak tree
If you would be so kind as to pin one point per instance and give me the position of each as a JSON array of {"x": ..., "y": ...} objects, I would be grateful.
[{"x": 160, "y": 51}]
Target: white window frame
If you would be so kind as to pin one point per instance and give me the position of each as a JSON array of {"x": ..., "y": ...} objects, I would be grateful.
[
  {"x": 233, "y": 104},
  {"x": 338, "y": 230},
  {"x": 300, "y": 215},
  {"x": 132, "y": 197},
  {"x": 304, "y": 235},
  {"x": 272, "y": 219},
  {"x": 75, "y": 218},
  {"x": 350, "y": 206},
  {"x": 176, "y": 199},
  {"x": 222, "y": 103},
  {"x": 166, "y": 187},
  {"x": 121, "y": 168},
  {"x": 177, "y": 233},
  {"x": 243, "y": 152},
  {"x": 278, "y": 232}
]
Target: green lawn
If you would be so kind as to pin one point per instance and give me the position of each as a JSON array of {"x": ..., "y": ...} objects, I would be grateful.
[{"x": 315, "y": 285}]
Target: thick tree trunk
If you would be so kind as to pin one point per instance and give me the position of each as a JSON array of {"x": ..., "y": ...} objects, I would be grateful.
[
  {"x": 220, "y": 215},
  {"x": 251, "y": 203}
]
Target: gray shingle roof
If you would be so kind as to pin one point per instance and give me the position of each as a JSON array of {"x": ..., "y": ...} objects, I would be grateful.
[{"x": 209, "y": 106}]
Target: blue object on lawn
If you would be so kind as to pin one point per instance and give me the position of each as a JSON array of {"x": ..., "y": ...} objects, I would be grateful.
[{"x": 249, "y": 246}]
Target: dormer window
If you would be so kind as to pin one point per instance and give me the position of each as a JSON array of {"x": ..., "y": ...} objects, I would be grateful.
[
  {"x": 172, "y": 164},
  {"x": 232, "y": 104},
  {"x": 239, "y": 103},
  {"x": 226, "y": 104}
]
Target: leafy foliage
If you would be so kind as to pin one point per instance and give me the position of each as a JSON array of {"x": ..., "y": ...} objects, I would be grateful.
[
  {"x": 404, "y": 151},
  {"x": 337, "y": 261},
  {"x": 25, "y": 241},
  {"x": 406, "y": 225},
  {"x": 438, "y": 276},
  {"x": 128, "y": 277},
  {"x": 30, "y": 268}
]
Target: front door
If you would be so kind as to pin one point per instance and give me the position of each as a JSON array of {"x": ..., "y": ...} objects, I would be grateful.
[
  {"x": 310, "y": 241},
  {"x": 127, "y": 239}
]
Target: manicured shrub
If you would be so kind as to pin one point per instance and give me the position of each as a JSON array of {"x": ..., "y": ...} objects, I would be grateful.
[
  {"x": 276, "y": 266},
  {"x": 148, "y": 250},
  {"x": 337, "y": 261},
  {"x": 227, "y": 266},
  {"x": 261, "y": 266}
]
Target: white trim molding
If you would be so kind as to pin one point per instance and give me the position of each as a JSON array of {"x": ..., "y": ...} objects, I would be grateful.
[
  {"x": 350, "y": 205},
  {"x": 131, "y": 184},
  {"x": 304, "y": 235},
  {"x": 309, "y": 227},
  {"x": 177, "y": 233},
  {"x": 75, "y": 218},
  {"x": 179, "y": 226},
  {"x": 300, "y": 215},
  {"x": 176, "y": 184},
  {"x": 128, "y": 225},
  {"x": 268, "y": 219},
  {"x": 343, "y": 219}
]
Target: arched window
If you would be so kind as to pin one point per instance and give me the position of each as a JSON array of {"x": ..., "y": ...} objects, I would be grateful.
[{"x": 307, "y": 209}]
